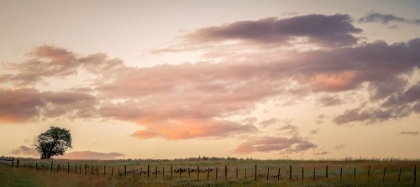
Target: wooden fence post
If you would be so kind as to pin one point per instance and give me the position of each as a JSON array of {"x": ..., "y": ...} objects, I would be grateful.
[
  {"x": 326, "y": 171},
  {"x": 383, "y": 177},
  {"x": 125, "y": 170},
  {"x": 399, "y": 175},
  {"x": 189, "y": 172},
  {"x": 354, "y": 174},
  {"x": 51, "y": 165},
  {"x": 198, "y": 172},
  {"x": 278, "y": 175},
  {"x": 85, "y": 168},
  {"x": 104, "y": 169},
  {"x": 415, "y": 174},
  {"x": 17, "y": 163},
  {"x": 141, "y": 171},
  {"x": 302, "y": 173},
  {"x": 148, "y": 171},
  {"x": 180, "y": 172},
  {"x": 255, "y": 172},
  {"x": 290, "y": 174},
  {"x": 156, "y": 172},
  {"x": 268, "y": 172},
  {"x": 225, "y": 172},
  {"x": 368, "y": 172},
  {"x": 208, "y": 173},
  {"x": 341, "y": 173},
  {"x": 313, "y": 174},
  {"x": 237, "y": 173}
]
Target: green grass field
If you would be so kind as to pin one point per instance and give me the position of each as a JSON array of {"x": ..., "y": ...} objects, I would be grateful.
[{"x": 27, "y": 175}]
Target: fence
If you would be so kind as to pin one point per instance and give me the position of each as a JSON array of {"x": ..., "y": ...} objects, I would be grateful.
[
  {"x": 6, "y": 160},
  {"x": 255, "y": 173}
]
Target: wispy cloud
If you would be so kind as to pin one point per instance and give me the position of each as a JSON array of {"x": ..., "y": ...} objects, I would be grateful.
[
  {"x": 340, "y": 146},
  {"x": 269, "y": 122},
  {"x": 387, "y": 18},
  {"x": 321, "y": 153},
  {"x": 410, "y": 133},
  {"x": 90, "y": 155},
  {"x": 25, "y": 151},
  {"x": 315, "y": 131},
  {"x": 330, "y": 100},
  {"x": 280, "y": 144}
]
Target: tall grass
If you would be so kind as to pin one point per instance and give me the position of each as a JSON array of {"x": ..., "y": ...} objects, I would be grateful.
[{"x": 28, "y": 176}]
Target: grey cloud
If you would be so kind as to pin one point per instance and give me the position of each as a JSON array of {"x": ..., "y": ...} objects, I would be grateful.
[
  {"x": 383, "y": 89},
  {"x": 410, "y": 133},
  {"x": 321, "y": 153},
  {"x": 333, "y": 30},
  {"x": 330, "y": 100},
  {"x": 409, "y": 96},
  {"x": 269, "y": 122},
  {"x": 386, "y": 18},
  {"x": 315, "y": 131},
  {"x": 396, "y": 106},
  {"x": 372, "y": 115}
]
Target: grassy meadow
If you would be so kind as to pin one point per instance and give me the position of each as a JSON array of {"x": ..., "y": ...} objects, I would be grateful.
[{"x": 239, "y": 173}]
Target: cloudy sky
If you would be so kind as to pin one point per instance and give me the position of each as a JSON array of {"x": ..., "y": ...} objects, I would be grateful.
[{"x": 176, "y": 79}]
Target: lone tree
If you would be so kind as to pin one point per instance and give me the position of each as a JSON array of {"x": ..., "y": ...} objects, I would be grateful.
[{"x": 54, "y": 141}]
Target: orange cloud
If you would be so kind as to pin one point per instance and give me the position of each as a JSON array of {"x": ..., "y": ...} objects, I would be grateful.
[{"x": 191, "y": 128}]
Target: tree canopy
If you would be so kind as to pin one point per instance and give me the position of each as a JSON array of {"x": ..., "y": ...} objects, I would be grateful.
[{"x": 55, "y": 141}]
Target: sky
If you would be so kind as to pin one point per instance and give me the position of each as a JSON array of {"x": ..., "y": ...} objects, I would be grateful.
[{"x": 179, "y": 79}]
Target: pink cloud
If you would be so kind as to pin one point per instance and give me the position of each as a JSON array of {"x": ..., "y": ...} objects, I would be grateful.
[
  {"x": 19, "y": 105},
  {"x": 281, "y": 144},
  {"x": 25, "y": 151},
  {"x": 190, "y": 128},
  {"x": 89, "y": 155},
  {"x": 193, "y": 100}
]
